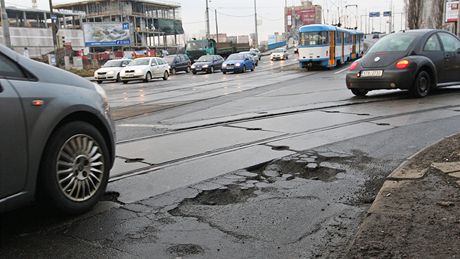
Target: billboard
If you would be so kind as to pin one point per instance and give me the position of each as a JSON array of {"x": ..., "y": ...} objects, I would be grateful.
[
  {"x": 299, "y": 17},
  {"x": 106, "y": 34},
  {"x": 452, "y": 11}
]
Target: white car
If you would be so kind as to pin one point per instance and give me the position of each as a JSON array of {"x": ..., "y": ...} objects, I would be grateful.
[
  {"x": 279, "y": 54},
  {"x": 110, "y": 70},
  {"x": 145, "y": 69}
]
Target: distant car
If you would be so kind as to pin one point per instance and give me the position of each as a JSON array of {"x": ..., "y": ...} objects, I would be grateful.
[
  {"x": 110, "y": 71},
  {"x": 58, "y": 139},
  {"x": 145, "y": 69},
  {"x": 238, "y": 63},
  {"x": 253, "y": 55},
  {"x": 375, "y": 36},
  {"x": 257, "y": 52},
  {"x": 417, "y": 60},
  {"x": 179, "y": 62},
  {"x": 279, "y": 54},
  {"x": 207, "y": 64}
]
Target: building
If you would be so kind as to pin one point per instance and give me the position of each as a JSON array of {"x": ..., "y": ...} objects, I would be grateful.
[
  {"x": 148, "y": 23},
  {"x": 30, "y": 31},
  {"x": 304, "y": 14}
]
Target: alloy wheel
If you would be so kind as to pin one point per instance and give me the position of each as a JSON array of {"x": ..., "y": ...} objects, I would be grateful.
[{"x": 80, "y": 168}]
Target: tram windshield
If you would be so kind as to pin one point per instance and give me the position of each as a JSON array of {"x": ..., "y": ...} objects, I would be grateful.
[{"x": 314, "y": 38}]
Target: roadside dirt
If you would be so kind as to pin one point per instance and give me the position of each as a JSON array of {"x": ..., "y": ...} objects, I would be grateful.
[{"x": 415, "y": 218}]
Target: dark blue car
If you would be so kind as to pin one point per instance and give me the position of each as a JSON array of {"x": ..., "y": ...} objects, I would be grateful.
[{"x": 238, "y": 63}]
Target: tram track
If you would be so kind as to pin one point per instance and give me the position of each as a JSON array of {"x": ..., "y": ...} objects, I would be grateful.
[{"x": 156, "y": 167}]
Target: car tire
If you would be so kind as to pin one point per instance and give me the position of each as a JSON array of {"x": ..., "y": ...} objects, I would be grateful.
[
  {"x": 173, "y": 71},
  {"x": 359, "y": 92},
  {"x": 148, "y": 77},
  {"x": 223, "y": 72},
  {"x": 188, "y": 70},
  {"x": 125, "y": 82},
  {"x": 67, "y": 167},
  {"x": 118, "y": 78},
  {"x": 421, "y": 86},
  {"x": 244, "y": 69},
  {"x": 99, "y": 82},
  {"x": 194, "y": 72},
  {"x": 253, "y": 68},
  {"x": 165, "y": 75},
  {"x": 211, "y": 70}
]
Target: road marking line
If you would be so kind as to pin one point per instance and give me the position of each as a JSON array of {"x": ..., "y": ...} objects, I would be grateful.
[
  {"x": 142, "y": 126},
  {"x": 340, "y": 71}
]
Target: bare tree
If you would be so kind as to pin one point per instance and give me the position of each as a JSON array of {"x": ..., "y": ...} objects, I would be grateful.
[{"x": 424, "y": 13}]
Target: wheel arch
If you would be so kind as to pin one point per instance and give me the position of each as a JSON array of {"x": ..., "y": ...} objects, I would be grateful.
[
  {"x": 83, "y": 116},
  {"x": 425, "y": 64}
]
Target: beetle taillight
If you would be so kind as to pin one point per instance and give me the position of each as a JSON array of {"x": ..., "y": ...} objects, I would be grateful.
[
  {"x": 402, "y": 64},
  {"x": 354, "y": 65}
]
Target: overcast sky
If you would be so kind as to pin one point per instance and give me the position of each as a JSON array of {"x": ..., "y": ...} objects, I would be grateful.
[{"x": 236, "y": 17}]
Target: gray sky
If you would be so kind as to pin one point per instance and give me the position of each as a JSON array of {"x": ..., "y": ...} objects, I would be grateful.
[{"x": 235, "y": 17}]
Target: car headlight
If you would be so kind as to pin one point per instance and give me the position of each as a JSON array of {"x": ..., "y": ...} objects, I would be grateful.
[
  {"x": 237, "y": 64},
  {"x": 224, "y": 65},
  {"x": 104, "y": 97},
  {"x": 205, "y": 66},
  {"x": 110, "y": 73},
  {"x": 193, "y": 66},
  {"x": 139, "y": 71},
  {"x": 95, "y": 73}
]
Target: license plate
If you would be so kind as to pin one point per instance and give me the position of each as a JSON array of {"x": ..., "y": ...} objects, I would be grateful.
[
  {"x": 198, "y": 69},
  {"x": 372, "y": 73},
  {"x": 129, "y": 75}
]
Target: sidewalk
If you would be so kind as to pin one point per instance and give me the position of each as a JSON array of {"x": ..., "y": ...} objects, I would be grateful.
[{"x": 417, "y": 212}]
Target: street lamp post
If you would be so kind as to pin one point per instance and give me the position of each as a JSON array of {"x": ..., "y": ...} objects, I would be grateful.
[
  {"x": 256, "y": 45},
  {"x": 207, "y": 20}
]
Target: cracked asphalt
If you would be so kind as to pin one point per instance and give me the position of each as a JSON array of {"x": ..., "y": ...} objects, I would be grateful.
[{"x": 308, "y": 204}]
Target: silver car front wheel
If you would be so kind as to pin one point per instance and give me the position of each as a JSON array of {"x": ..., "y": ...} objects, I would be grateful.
[
  {"x": 80, "y": 168},
  {"x": 75, "y": 168}
]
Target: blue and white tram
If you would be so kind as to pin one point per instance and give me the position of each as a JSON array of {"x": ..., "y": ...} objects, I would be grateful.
[{"x": 328, "y": 46}]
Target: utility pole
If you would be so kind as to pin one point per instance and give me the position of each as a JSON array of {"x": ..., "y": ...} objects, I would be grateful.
[
  {"x": 458, "y": 22},
  {"x": 5, "y": 25},
  {"x": 207, "y": 20},
  {"x": 255, "y": 20},
  {"x": 53, "y": 30},
  {"x": 217, "y": 26}
]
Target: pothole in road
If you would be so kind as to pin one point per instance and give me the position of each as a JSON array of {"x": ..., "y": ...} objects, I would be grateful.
[
  {"x": 383, "y": 124},
  {"x": 312, "y": 170},
  {"x": 280, "y": 148},
  {"x": 331, "y": 111},
  {"x": 231, "y": 195},
  {"x": 363, "y": 114},
  {"x": 185, "y": 250}
]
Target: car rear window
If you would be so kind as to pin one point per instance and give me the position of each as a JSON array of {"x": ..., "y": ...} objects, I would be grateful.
[{"x": 399, "y": 42}]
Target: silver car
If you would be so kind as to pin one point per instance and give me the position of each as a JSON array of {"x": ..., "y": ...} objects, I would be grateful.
[{"x": 56, "y": 139}]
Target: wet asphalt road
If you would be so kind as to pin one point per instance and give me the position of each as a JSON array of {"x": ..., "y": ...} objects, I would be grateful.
[{"x": 270, "y": 164}]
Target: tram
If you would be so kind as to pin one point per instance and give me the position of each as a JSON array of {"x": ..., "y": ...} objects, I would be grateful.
[{"x": 328, "y": 46}]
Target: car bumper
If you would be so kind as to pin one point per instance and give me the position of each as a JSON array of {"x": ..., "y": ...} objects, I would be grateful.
[
  {"x": 198, "y": 70},
  {"x": 391, "y": 79},
  {"x": 105, "y": 78},
  {"x": 277, "y": 58},
  {"x": 234, "y": 70},
  {"x": 132, "y": 78}
]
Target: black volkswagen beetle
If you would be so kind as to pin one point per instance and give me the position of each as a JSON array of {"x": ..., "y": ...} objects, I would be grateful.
[{"x": 416, "y": 60}]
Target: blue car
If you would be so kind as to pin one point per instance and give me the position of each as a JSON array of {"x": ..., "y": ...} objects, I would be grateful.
[{"x": 238, "y": 63}]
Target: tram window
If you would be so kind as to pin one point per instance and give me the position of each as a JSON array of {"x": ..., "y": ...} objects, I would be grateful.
[{"x": 314, "y": 38}]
